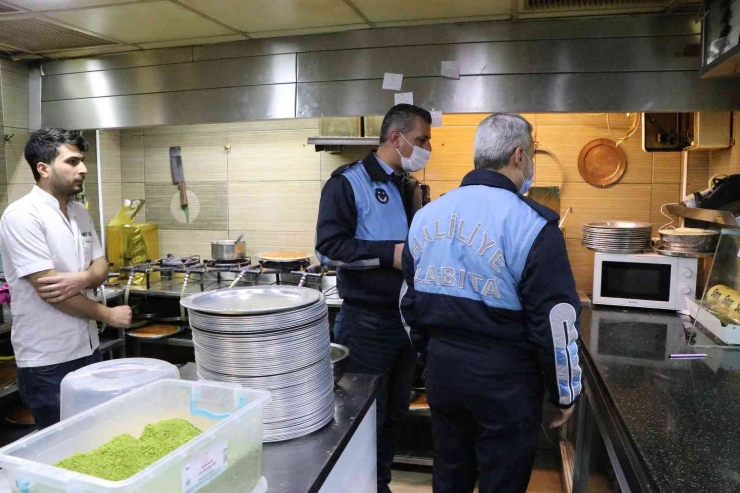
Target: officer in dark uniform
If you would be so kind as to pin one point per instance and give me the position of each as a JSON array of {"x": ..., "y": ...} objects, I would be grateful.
[
  {"x": 490, "y": 300},
  {"x": 364, "y": 216}
]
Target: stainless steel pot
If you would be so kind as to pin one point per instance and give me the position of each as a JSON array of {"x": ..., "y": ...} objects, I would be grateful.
[
  {"x": 339, "y": 355},
  {"x": 228, "y": 250},
  {"x": 689, "y": 239}
]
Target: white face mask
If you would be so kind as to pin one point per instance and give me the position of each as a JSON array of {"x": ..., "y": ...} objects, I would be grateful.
[
  {"x": 419, "y": 158},
  {"x": 526, "y": 182}
]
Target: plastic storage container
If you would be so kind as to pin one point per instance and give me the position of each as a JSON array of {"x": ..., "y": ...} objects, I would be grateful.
[
  {"x": 226, "y": 457},
  {"x": 98, "y": 383}
]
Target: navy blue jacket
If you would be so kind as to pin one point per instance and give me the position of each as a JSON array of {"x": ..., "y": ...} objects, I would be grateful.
[
  {"x": 364, "y": 212},
  {"x": 487, "y": 280}
]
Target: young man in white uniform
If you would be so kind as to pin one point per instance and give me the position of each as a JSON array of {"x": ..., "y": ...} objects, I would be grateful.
[{"x": 53, "y": 260}]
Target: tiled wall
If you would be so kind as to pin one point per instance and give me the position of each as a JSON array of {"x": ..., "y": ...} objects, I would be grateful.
[
  {"x": 257, "y": 177},
  {"x": 14, "y": 177},
  {"x": 268, "y": 182}
]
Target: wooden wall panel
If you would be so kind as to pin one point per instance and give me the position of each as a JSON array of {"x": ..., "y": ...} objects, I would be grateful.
[
  {"x": 666, "y": 167},
  {"x": 591, "y": 204},
  {"x": 452, "y": 153},
  {"x": 727, "y": 161},
  {"x": 566, "y": 141},
  {"x": 697, "y": 177},
  {"x": 582, "y": 263},
  {"x": 616, "y": 120},
  {"x": 474, "y": 119},
  {"x": 663, "y": 194}
]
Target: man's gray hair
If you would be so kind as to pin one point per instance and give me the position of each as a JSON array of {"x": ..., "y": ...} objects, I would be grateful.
[{"x": 497, "y": 137}]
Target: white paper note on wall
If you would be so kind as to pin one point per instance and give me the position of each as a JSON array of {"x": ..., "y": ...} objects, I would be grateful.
[
  {"x": 436, "y": 118},
  {"x": 404, "y": 97},
  {"x": 392, "y": 82},
  {"x": 451, "y": 69}
]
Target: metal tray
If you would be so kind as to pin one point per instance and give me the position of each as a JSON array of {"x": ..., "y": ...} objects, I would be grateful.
[
  {"x": 252, "y": 300},
  {"x": 672, "y": 253},
  {"x": 281, "y": 260},
  {"x": 133, "y": 334}
]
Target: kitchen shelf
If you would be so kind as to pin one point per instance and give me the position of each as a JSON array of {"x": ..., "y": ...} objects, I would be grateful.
[{"x": 344, "y": 141}]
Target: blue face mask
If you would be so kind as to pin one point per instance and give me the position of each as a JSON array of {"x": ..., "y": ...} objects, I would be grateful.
[{"x": 526, "y": 182}]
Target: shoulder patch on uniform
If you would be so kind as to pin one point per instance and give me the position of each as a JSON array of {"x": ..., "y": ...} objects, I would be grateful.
[
  {"x": 340, "y": 170},
  {"x": 548, "y": 214}
]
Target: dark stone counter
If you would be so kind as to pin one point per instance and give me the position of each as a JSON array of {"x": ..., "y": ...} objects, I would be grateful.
[{"x": 680, "y": 418}]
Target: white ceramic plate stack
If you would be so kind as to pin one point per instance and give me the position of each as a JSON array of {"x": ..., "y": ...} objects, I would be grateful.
[
  {"x": 272, "y": 338},
  {"x": 617, "y": 236}
]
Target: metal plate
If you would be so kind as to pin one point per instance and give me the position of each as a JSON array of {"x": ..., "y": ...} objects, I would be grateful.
[
  {"x": 280, "y": 257},
  {"x": 602, "y": 162},
  {"x": 618, "y": 225},
  {"x": 671, "y": 253},
  {"x": 286, "y": 352},
  {"x": 252, "y": 300},
  {"x": 133, "y": 333}
]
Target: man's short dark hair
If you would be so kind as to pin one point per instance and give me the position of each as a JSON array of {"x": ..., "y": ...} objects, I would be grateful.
[
  {"x": 43, "y": 146},
  {"x": 402, "y": 117}
]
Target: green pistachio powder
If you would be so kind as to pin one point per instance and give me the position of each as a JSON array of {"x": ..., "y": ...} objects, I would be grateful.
[{"x": 124, "y": 455}]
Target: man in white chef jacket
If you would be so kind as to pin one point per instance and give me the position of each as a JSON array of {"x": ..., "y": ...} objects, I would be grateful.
[{"x": 53, "y": 260}]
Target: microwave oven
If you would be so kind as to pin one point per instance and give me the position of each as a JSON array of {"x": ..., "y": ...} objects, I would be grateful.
[{"x": 645, "y": 280}]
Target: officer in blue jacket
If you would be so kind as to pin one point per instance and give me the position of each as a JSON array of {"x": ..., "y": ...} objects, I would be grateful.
[
  {"x": 364, "y": 216},
  {"x": 489, "y": 298}
]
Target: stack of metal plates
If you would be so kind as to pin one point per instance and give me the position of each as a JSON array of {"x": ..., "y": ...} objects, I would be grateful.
[
  {"x": 273, "y": 338},
  {"x": 617, "y": 236}
]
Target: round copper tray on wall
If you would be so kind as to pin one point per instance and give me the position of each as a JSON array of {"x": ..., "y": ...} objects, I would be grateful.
[{"x": 602, "y": 162}]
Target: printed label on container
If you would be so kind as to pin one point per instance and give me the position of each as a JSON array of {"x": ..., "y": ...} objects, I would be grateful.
[{"x": 205, "y": 466}]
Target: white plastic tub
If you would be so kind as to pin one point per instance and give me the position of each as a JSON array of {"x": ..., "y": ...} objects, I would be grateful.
[{"x": 226, "y": 457}]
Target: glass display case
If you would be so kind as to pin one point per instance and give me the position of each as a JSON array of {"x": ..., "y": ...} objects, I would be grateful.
[{"x": 717, "y": 313}]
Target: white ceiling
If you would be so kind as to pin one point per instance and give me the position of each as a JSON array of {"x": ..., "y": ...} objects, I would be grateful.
[{"x": 95, "y": 27}]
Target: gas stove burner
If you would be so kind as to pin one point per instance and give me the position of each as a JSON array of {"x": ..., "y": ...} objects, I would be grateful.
[
  {"x": 173, "y": 261},
  {"x": 229, "y": 264},
  {"x": 285, "y": 266}
]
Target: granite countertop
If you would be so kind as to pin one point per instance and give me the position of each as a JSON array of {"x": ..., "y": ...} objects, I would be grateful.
[
  {"x": 303, "y": 464},
  {"x": 681, "y": 415}
]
